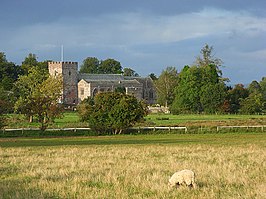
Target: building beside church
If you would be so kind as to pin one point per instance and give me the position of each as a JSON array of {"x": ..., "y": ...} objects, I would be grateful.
[{"x": 78, "y": 86}]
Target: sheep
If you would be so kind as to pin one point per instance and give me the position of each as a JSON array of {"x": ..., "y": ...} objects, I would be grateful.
[{"x": 181, "y": 177}]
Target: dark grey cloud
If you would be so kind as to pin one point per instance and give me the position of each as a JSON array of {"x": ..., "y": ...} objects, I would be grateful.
[
  {"x": 21, "y": 12},
  {"x": 146, "y": 35}
]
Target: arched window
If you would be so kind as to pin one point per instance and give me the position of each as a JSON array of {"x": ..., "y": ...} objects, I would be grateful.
[
  {"x": 94, "y": 92},
  {"x": 151, "y": 94}
]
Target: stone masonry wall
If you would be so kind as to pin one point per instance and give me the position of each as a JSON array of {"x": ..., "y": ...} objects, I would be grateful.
[{"x": 69, "y": 71}]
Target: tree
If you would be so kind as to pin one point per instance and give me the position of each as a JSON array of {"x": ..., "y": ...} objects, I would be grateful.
[
  {"x": 111, "y": 112},
  {"x": 153, "y": 76},
  {"x": 213, "y": 90},
  {"x": 120, "y": 89},
  {"x": 165, "y": 86},
  {"x": 39, "y": 93},
  {"x": 254, "y": 87},
  {"x": 200, "y": 89},
  {"x": 187, "y": 98},
  {"x": 110, "y": 66},
  {"x": 9, "y": 73},
  {"x": 2, "y": 118},
  {"x": 212, "y": 97},
  {"x": 263, "y": 87},
  {"x": 29, "y": 62},
  {"x": 238, "y": 93},
  {"x": 253, "y": 104},
  {"x": 130, "y": 72},
  {"x": 207, "y": 58},
  {"x": 90, "y": 65}
]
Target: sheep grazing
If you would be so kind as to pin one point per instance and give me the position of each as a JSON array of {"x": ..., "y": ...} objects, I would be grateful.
[{"x": 183, "y": 177}]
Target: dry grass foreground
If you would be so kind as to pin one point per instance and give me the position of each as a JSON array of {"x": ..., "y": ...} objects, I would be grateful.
[{"x": 133, "y": 170}]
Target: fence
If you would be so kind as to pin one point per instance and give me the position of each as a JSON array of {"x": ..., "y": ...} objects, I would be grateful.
[
  {"x": 246, "y": 127},
  {"x": 154, "y": 128}
]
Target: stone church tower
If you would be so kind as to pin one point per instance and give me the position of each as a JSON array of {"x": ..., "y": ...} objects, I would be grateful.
[{"x": 69, "y": 72}]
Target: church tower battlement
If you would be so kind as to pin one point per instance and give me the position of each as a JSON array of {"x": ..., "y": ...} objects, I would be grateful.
[{"x": 69, "y": 72}]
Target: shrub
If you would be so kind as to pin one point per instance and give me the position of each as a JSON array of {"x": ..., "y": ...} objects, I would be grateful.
[{"x": 111, "y": 112}]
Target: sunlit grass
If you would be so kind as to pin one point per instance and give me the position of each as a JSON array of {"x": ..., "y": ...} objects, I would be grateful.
[
  {"x": 205, "y": 120},
  {"x": 226, "y": 166},
  {"x": 71, "y": 119}
]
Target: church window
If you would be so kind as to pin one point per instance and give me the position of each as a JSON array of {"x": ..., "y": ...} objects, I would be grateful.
[
  {"x": 95, "y": 91},
  {"x": 151, "y": 94},
  {"x": 82, "y": 91}
]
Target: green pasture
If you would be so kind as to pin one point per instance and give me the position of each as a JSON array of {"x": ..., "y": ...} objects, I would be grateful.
[
  {"x": 71, "y": 119},
  {"x": 160, "y": 139},
  {"x": 171, "y": 120}
]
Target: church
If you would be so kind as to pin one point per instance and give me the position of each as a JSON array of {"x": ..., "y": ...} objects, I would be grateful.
[{"x": 78, "y": 86}]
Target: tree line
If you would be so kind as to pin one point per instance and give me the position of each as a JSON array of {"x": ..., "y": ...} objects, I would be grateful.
[
  {"x": 28, "y": 89},
  {"x": 201, "y": 88}
]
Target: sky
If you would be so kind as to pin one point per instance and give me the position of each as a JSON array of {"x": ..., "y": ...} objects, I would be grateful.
[{"x": 145, "y": 35}]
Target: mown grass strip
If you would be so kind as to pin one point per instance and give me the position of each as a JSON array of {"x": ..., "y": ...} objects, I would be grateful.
[{"x": 229, "y": 139}]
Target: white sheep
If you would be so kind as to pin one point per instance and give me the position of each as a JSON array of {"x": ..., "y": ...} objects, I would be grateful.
[{"x": 181, "y": 177}]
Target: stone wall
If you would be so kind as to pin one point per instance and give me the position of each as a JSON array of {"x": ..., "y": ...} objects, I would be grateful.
[{"x": 69, "y": 72}]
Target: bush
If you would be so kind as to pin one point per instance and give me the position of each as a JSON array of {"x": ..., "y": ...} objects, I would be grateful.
[{"x": 112, "y": 112}]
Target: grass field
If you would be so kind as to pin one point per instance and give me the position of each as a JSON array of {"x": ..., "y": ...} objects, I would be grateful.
[
  {"x": 226, "y": 165},
  {"x": 71, "y": 119},
  {"x": 205, "y": 120}
]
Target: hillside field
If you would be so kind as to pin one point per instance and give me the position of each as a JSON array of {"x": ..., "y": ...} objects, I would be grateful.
[{"x": 227, "y": 165}]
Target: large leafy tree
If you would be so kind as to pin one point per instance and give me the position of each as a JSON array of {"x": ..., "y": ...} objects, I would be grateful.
[
  {"x": 39, "y": 93},
  {"x": 212, "y": 91},
  {"x": 90, "y": 65},
  {"x": 29, "y": 62},
  {"x": 94, "y": 66},
  {"x": 254, "y": 87},
  {"x": 130, "y": 72},
  {"x": 235, "y": 95},
  {"x": 153, "y": 76},
  {"x": 201, "y": 88},
  {"x": 2, "y": 118},
  {"x": 111, "y": 112},
  {"x": 263, "y": 87},
  {"x": 187, "y": 97},
  {"x": 9, "y": 73},
  {"x": 165, "y": 86},
  {"x": 110, "y": 66},
  {"x": 253, "y": 104}
]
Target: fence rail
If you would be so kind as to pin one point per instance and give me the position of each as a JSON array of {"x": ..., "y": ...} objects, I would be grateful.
[
  {"x": 246, "y": 127},
  {"x": 75, "y": 129},
  {"x": 154, "y": 128}
]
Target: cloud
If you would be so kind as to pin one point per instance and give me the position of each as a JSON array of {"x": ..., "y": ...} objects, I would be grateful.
[
  {"x": 145, "y": 39},
  {"x": 141, "y": 28}
]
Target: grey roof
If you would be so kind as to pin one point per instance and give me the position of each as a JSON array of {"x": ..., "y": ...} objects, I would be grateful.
[
  {"x": 115, "y": 79},
  {"x": 97, "y": 77},
  {"x": 114, "y": 82}
]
